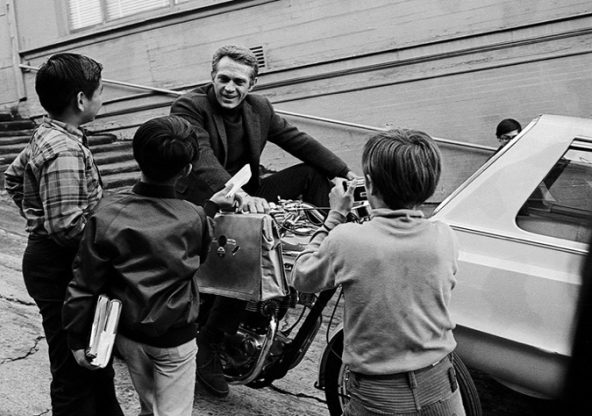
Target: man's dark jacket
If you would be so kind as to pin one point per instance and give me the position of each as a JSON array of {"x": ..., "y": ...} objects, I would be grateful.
[{"x": 261, "y": 124}]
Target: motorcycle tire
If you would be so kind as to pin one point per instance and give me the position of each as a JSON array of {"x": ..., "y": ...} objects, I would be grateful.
[{"x": 336, "y": 390}]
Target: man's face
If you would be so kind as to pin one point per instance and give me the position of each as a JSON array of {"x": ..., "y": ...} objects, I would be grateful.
[
  {"x": 232, "y": 82},
  {"x": 504, "y": 139}
]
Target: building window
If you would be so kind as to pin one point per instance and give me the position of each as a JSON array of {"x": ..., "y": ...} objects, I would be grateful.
[
  {"x": 561, "y": 206},
  {"x": 84, "y": 13}
]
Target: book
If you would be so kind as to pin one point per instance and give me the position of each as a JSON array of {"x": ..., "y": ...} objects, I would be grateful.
[{"x": 103, "y": 331}]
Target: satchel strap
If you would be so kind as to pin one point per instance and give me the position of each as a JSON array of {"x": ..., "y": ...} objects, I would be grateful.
[{"x": 206, "y": 238}]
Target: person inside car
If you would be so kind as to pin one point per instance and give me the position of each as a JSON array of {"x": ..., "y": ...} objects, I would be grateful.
[{"x": 506, "y": 130}]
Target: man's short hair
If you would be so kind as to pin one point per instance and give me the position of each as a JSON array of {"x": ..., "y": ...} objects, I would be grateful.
[
  {"x": 404, "y": 166},
  {"x": 507, "y": 125},
  {"x": 62, "y": 77},
  {"x": 164, "y": 146},
  {"x": 239, "y": 54}
]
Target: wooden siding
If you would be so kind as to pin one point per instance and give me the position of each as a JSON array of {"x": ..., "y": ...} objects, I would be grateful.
[{"x": 452, "y": 68}]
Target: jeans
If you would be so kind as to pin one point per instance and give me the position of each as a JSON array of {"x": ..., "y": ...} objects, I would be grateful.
[
  {"x": 74, "y": 390},
  {"x": 163, "y": 377},
  {"x": 432, "y": 391},
  {"x": 298, "y": 181}
]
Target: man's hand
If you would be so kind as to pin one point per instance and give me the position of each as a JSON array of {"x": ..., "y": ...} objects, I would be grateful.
[
  {"x": 81, "y": 360},
  {"x": 341, "y": 200},
  {"x": 254, "y": 204}
]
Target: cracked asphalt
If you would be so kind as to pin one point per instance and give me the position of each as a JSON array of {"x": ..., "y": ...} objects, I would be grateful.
[{"x": 24, "y": 365}]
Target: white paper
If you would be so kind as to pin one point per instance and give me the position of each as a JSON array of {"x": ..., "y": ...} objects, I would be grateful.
[{"x": 239, "y": 179}]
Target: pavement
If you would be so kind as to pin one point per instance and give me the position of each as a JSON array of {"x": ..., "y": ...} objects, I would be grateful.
[
  {"x": 24, "y": 364},
  {"x": 24, "y": 367}
]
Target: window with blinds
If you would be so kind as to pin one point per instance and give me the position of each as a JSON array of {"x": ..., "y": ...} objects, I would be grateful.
[{"x": 84, "y": 13}]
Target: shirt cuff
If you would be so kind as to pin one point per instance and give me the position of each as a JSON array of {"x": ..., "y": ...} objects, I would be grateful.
[
  {"x": 344, "y": 172},
  {"x": 77, "y": 341},
  {"x": 333, "y": 220},
  {"x": 211, "y": 208}
]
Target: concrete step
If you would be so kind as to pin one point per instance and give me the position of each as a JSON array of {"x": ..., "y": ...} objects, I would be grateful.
[
  {"x": 121, "y": 180},
  {"x": 6, "y": 117},
  {"x": 119, "y": 167},
  {"x": 98, "y": 144},
  {"x": 106, "y": 158},
  {"x": 11, "y": 133},
  {"x": 17, "y": 125},
  {"x": 100, "y": 139},
  {"x": 102, "y": 159},
  {"x": 118, "y": 146},
  {"x": 11, "y": 149},
  {"x": 14, "y": 140},
  {"x": 23, "y": 139}
]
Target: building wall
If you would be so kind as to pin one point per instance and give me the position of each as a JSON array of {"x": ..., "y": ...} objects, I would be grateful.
[
  {"x": 453, "y": 68},
  {"x": 11, "y": 88}
]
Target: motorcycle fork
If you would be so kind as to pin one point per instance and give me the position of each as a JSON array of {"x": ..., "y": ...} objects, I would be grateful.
[{"x": 304, "y": 337}]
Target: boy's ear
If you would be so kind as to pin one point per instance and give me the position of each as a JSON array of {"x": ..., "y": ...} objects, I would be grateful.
[
  {"x": 187, "y": 170},
  {"x": 368, "y": 184},
  {"x": 80, "y": 100}
]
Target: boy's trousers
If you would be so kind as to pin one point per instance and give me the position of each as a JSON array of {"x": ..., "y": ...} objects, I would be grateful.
[
  {"x": 163, "y": 377},
  {"x": 47, "y": 270},
  {"x": 431, "y": 391}
]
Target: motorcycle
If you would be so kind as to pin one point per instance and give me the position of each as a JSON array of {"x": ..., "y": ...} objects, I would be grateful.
[{"x": 261, "y": 352}]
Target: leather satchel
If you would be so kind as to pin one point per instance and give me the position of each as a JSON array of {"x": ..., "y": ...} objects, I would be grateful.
[{"x": 245, "y": 259}]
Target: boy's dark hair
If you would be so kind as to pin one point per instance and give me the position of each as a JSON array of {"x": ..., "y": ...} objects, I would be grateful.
[
  {"x": 507, "y": 125},
  {"x": 163, "y": 146},
  {"x": 62, "y": 77},
  {"x": 239, "y": 54},
  {"x": 404, "y": 166}
]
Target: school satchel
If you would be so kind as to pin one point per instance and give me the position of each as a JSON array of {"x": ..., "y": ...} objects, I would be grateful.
[{"x": 245, "y": 259}]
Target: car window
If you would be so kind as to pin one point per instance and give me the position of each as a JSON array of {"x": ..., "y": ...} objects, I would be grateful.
[{"x": 561, "y": 206}]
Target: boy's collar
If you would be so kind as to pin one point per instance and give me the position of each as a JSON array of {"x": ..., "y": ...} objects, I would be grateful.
[
  {"x": 152, "y": 190},
  {"x": 397, "y": 213},
  {"x": 64, "y": 126}
]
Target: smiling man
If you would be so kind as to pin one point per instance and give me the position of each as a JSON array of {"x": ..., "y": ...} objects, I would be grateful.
[{"x": 232, "y": 128}]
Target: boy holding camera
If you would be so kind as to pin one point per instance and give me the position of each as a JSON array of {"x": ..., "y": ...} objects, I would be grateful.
[{"x": 397, "y": 273}]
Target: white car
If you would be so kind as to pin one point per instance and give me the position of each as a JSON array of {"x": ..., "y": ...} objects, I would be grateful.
[{"x": 523, "y": 221}]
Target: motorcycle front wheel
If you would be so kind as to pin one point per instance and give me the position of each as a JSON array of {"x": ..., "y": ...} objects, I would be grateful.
[{"x": 336, "y": 389}]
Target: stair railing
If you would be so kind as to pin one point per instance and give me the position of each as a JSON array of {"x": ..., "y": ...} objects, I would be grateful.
[{"x": 287, "y": 113}]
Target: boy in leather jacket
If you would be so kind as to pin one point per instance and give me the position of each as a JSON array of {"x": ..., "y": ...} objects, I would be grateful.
[{"x": 144, "y": 248}]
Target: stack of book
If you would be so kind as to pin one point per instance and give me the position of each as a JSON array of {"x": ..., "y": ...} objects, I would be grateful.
[{"x": 103, "y": 331}]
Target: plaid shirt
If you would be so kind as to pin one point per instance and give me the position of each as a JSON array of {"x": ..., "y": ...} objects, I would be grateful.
[{"x": 55, "y": 182}]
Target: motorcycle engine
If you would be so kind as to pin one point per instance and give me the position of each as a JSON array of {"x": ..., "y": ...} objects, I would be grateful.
[{"x": 241, "y": 350}]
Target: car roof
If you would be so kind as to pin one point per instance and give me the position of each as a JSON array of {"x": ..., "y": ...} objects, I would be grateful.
[{"x": 492, "y": 196}]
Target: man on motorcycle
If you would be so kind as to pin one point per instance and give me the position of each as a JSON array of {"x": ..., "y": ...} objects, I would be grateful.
[{"x": 232, "y": 128}]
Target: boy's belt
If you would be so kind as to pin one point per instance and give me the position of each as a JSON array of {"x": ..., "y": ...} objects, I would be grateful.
[{"x": 404, "y": 375}]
